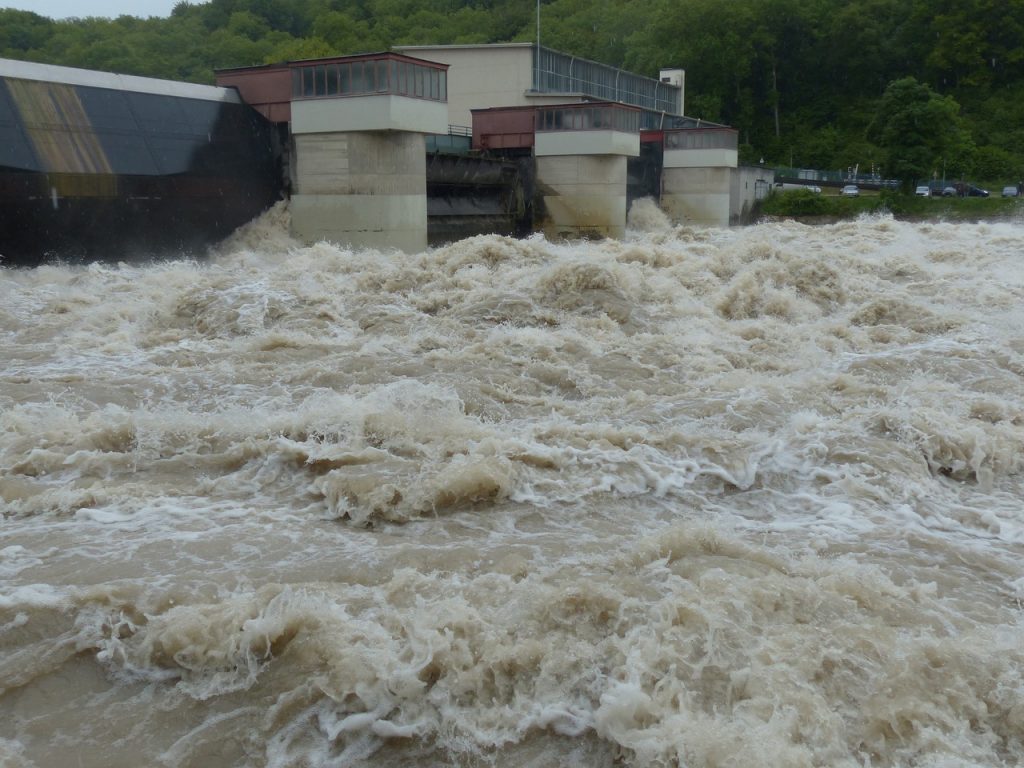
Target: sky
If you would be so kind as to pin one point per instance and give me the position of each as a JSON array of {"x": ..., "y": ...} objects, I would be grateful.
[{"x": 62, "y": 9}]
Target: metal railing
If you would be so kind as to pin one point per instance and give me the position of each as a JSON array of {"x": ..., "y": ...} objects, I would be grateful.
[
  {"x": 556, "y": 72},
  {"x": 848, "y": 176}
]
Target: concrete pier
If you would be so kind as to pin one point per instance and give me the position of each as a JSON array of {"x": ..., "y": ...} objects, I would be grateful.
[
  {"x": 360, "y": 173},
  {"x": 356, "y": 127},
  {"x": 361, "y": 188},
  {"x": 584, "y": 196},
  {"x": 581, "y": 154},
  {"x": 699, "y": 165}
]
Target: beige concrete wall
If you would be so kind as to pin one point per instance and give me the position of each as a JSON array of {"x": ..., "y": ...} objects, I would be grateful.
[
  {"x": 700, "y": 158},
  {"x": 365, "y": 189},
  {"x": 362, "y": 221},
  {"x": 495, "y": 76},
  {"x": 697, "y": 195},
  {"x": 369, "y": 163},
  {"x": 382, "y": 112},
  {"x": 587, "y": 143},
  {"x": 583, "y": 196},
  {"x": 676, "y": 77},
  {"x": 743, "y": 190}
]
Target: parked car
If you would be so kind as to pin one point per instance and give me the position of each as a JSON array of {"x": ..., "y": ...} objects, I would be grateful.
[
  {"x": 923, "y": 191},
  {"x": 1010, "y": 191},
  {"x": 949, "y": 192},
  {"x": 850, "y": 190},
  {"x": 963, "y": 189}
]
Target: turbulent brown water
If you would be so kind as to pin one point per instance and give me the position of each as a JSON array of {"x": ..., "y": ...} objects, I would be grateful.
[{"x": 747, "y": 497}]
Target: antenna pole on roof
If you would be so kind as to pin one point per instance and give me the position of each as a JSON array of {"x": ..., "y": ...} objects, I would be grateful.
[{"x": 537, "y": 73}]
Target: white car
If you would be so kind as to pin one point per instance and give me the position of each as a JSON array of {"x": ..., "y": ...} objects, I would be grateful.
[
  {"x": 850, "y": 190},
  {"x": 923, "y": 191}
]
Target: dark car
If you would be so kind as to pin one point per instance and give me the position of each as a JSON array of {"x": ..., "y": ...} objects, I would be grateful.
[{"x": 963, "y": 189}]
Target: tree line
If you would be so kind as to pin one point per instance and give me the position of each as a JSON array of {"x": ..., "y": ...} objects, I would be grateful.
[{"x": 808, "y": 83}]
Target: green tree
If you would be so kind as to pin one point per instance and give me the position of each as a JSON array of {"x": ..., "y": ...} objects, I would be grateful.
[
  {"x": 593, "y": 29},
  {"x": 22, "y": 31},
  {"x": 976, "y": 42},
  {"x": 993, "y": 163},
  {"x": 297, "y": 49},
  {"x": 920, "y": 131}
]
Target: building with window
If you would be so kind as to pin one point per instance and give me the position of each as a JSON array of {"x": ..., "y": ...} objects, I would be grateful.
[
  {"x": 520, "y": 75},
  {"x": 624, "y": 135},
  {"x": 353, "y": 130}
]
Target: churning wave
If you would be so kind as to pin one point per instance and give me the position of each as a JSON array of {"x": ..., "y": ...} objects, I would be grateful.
[{"x": 694, "y": 498}]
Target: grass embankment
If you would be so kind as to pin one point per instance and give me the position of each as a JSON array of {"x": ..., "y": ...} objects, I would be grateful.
[{"x": 801, "y": 204}]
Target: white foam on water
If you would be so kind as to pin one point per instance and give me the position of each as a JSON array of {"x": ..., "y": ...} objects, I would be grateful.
[
  {"x": 698, "y": 497},
  {"x": 34, "y": 596}
]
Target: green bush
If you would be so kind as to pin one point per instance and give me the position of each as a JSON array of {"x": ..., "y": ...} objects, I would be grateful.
[
  {"x": 798, "y": 202},
  {"x": 894, "y": 201}
]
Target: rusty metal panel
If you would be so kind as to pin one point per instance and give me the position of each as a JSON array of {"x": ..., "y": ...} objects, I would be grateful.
[
  {"x": 506, "y": 141},
  {"x": 277, "y": 113},
  {"x": 503, "y": 127},
  {"x": 79, "y": 185},
  {"x": 58, "y": 127},
  {"x": 268, "y": 90}
]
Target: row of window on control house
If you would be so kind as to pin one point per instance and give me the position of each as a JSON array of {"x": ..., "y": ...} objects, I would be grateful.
[
  {"x": 371, "y": 76},
  {"x": 711, "y": 138},
  {"x": 585, "y": 118}
]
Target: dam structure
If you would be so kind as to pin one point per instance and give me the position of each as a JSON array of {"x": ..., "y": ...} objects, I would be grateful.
[{"x": 399, "y": 149}]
